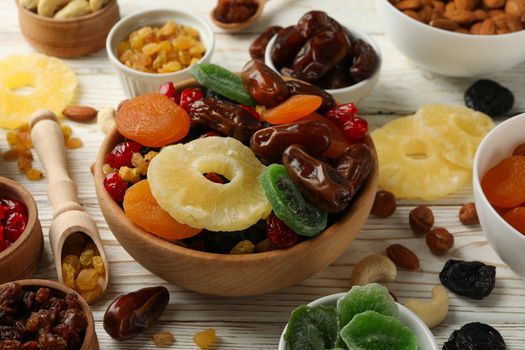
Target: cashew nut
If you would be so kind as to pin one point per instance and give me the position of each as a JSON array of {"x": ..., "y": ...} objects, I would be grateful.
[
  {"x": 29, "y": 4},
  {"x": 373, "y": 268},
  {"x": 75, "y": 8},
  {"x": 106, "y": 119},
  {"x": 432, "y": 312},
  {"x": 47, "y": 8}
]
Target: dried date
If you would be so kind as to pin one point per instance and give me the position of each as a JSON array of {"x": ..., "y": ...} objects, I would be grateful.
[
  {"x": 472, "y": 279},
  {"x": 314, "y": 22},
  {"x": 263, "y": 84},
  {"x": 287, "y": 44},
  {"x": 355, "y": 164},
  {"x": 296, "y": 87},
  {"x": 475, "y": 336},
  {"x": 365, "y": 60},
  {"x": 258, "y": 46}
]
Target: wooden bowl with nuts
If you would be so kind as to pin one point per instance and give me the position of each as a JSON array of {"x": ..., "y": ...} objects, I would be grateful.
[
  {"x": 19, "y": 256},
  {"x": 78, "y": 28},
  {"x": 461, "y": 38}
]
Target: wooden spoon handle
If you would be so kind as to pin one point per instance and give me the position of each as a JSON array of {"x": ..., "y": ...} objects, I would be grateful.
[{"x": 48, "y": 142}]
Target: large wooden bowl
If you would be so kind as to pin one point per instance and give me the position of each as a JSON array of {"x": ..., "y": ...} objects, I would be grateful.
[
  {"x": 232, "y": 275},
  {"x": 20, "y": 259},
  {"x": 71, "y": 37},
  {"x": 90, "y": 338}
]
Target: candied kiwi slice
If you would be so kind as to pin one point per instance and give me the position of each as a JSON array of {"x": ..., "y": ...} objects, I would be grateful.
[
  {"x": 289, "y": 204},
  {"x": 372, "y": 297},
  {"x": 370, "y": 330},
  {"x": 312, "y": 328}
]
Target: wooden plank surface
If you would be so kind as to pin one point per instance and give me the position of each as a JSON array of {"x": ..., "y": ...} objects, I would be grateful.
[{"x": 256, "y": 322}]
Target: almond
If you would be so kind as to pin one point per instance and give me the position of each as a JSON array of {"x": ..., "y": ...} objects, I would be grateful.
[
  {"x": 462, "y": 30},
  {"x": 475, "y": 29},
  {"x": 408, "y": 5},
  {"x": 426, "y": 3},
  {"x": 451, "y": 6},
  {"x": 444, "y": 23},
  {"x": 466, "y": 5},
  {"x": 487, "y": 27},
  {"x": 413, "y": 14},
  {"x": 80, "y": 114},
  {"x": 515, "y": 8},
  {"x": 439, "y": 5},
  {"x": 481, "y": 15},
  {"x": 426, "y": 14},
  {"x": 494, "y": 4},
  {"x": 403, "y": 257},
  {"x": 461, "y": 16}
]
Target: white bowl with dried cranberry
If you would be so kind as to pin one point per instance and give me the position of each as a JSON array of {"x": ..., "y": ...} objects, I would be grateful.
[
  {"x": 353, "y": 92},
  {"x": 446, "y": 52}
]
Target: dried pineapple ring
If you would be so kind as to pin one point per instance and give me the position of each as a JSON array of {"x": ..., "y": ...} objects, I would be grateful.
[
  {"x": 53, "y": 82},
  {"x": 457, "y": 130},
  {"x": 177, "y": 183},
  {"x": 410, "y": 164}
]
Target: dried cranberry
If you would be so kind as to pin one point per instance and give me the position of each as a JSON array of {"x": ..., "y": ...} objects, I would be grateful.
[
  {"x": 279, "y": 233},
  {"x": 214, "y": 177},
  {"x": 168, "y": 90},
  {"x": 15, "y": 226},
  {"x": 13, "y": 206},
  {"x": 342, "y": 113},
  {"x": 115, "y": 186},
  {"x": 2, "y": 212},
  {"x": 355, "y": 129},
  {"x": 121, "y": 155},
  {"x": 252, "y": 111},
  {"x": 188, "y": 96}
]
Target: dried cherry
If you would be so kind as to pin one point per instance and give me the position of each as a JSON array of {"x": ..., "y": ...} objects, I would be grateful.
[
  {"x": 472, "y": 279},
  {"x": 489, "y": 97},
  {"x": 258, "y": 46},
  {"x": 279, "y": 234},
  {"x": 475, "y": 336},
  {"x": 121, "y": 154}
]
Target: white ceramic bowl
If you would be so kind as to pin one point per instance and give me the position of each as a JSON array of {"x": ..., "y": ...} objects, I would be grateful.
[
  {"x": 450, "y": 53},
  {"x": 425, "y": 338},
  {"x": 137, "y": 83},
  {"x": 505, "y": 239},
  {"x": 352, "y": 93}
]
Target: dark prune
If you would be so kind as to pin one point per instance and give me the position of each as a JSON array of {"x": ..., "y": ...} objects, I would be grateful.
[
  {"x": 258, "y": 46},
  {"x": 314, "y": 22},
  {"x": 235, "y": 11},
  {"x": 320, "y": 54},
  {"x": 471, "y": 279},
  {"x": 227, "y": 118},
  {"x": 319, "y": 183},
  {"x": 365, "y": 60},
  {"x": 296, "y": 87},
  {"x": 263, "y": 84},
  {"x": 489, "y": 97},
  {"x": 287, "y": 44},
  {"x": 475, "y": 336}
]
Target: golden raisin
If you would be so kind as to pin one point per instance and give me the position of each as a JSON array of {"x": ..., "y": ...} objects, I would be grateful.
[
  {"x": 86, "y": 258},
  {"x": 68, "y": 275},
  {"x": 66, "y": 131},
  {"x": 87, "y": 279},
  {"x": 163, "y": 339},
  {"x": 243, "y": 247},
  {"x": 98, "y": 264},
  {"x": 34, "y": 174},
  {"x": 205, "y": 339},
  {"x": 74, "y": 261},
  {"x": 74, "y": 142},
  {"x": 91, "y": 294}
]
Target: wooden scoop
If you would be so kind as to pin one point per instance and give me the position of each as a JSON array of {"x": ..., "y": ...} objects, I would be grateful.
[
  {"x": 237, "y": 26},
  {"x": 68, "y": 215}
]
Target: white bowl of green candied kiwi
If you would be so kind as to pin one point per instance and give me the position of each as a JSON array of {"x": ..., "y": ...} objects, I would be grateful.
[{"x": 213, "y": 181}]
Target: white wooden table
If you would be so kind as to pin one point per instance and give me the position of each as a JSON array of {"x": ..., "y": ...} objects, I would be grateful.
[{"x": 257, "y": 322}]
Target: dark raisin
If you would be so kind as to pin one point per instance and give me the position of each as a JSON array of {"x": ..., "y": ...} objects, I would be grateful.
[
  {"x": 489, "y": 97},
  {"x": 29, "y": 299},
  {"x": 475, "y": 336},
  {"x": 42, "y": 295},
  {"x": 365, "y": 60},
  {"x": 11, "y": 294},
  {"x": 471, "y": 279}
]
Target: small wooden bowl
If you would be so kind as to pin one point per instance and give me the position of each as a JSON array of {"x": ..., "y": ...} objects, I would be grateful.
[
  {"x": 72, "y": 37},
  {"x": 20, "y": 259},
  {"x": 90, "y": 338},
  {"x": 225, "y": 274}
]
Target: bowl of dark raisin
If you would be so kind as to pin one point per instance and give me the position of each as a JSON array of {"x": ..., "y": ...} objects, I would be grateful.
[
  {"x": 42, "y": 314},
  {"x": 467, "y": 41},
  {"x": 262, "y": 197},
  {"x": 21, "y": 240},
  {"x": 343, "y": 60}
]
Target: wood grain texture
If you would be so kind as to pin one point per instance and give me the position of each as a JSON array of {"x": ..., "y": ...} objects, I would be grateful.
[{"x": 256, "y": 322}]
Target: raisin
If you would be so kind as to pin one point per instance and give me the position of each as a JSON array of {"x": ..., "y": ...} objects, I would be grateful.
[
  {"x": 471, "y": 279},
  {"x": 475, "y": 336},
  {"x": 489, "y": 97}
]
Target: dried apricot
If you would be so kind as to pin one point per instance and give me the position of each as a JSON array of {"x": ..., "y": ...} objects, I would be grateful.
[
  {"x": 503, "y": 183},
  {"x": 294, "y": 108},
  {"x": 143, "y": 210},
  {"x": 152, "y": 120},
  {"x": 516, "y": 218}
]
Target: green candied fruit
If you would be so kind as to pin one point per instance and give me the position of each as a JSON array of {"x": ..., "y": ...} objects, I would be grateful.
[
  {"x": 372, "y": 331},
  {"x": 359, "y": 299},
  {"x": 312, "y": 328},
  {"x": 288, "y": 203},
  {"x": 222, "y": 81}
]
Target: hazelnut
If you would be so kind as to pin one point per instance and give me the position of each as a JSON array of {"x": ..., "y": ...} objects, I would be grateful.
[
  {"x": 421, "y": 219},
  {"x": 439, "y": 240},
  {"x": 468, "y": 214},
  {"x": 384, "y": 204}
]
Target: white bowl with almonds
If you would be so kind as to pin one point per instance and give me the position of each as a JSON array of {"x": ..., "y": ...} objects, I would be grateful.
[{"x": 460, "y": 38}]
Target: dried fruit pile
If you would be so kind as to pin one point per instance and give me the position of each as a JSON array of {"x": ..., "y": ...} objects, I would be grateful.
[
  {"x": 503, "y": 187},
  {"x": 365, "y": 318},
  {"x": 40, "y": 318},
  {"x": 235, "y": 150},
  {"x": 32, "y": 82},
  {"x": 430, "y": 154},
  {"x": 235, "y": 11},
  {"x": 13, "y": 221}
]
